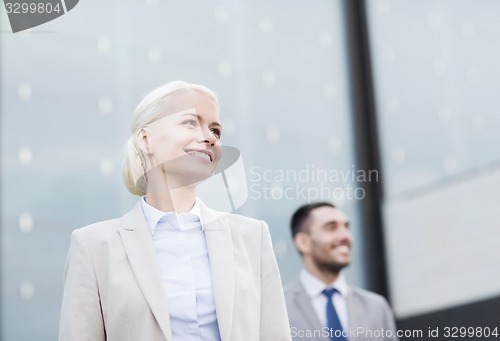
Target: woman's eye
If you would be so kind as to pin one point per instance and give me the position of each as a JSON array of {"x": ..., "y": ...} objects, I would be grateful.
[
  {"x": 216, "y": 132},
  {"x": 191, "y": 122}
]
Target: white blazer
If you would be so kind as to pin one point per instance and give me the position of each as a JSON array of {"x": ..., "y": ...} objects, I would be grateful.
[{"x": 113, "y": 290}]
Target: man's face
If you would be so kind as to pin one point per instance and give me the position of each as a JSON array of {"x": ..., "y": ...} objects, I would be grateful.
[{"x": 329, "y": 239}]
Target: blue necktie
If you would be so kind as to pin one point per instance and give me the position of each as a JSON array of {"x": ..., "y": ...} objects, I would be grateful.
[{"x": 332, "y": 318}]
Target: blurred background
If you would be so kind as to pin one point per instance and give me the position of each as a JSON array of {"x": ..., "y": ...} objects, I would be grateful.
[{"x": 314, "y": 94}]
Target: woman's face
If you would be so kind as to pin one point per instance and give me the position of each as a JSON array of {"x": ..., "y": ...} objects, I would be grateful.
[{"x": 185, "y": 144}]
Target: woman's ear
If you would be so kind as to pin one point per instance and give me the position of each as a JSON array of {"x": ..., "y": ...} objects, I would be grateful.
[
  {"x": 143, "y": 141},
  {"x": 302, "y": 241}
]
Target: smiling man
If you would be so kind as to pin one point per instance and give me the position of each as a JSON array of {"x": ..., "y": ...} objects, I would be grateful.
[{"x": 321, "y": 306}]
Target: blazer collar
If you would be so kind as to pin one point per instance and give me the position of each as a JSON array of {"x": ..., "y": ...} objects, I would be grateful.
[
  {"x": 221, "y": 256},
  {"x": 303, "y": 301},
  {"x": 139, "y": 247},
  {"x": 138, "y": 244},
  {"x": 314, "y": 286}
]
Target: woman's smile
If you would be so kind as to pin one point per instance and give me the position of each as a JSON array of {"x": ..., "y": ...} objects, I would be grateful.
[{"x": 205, "y": 155}]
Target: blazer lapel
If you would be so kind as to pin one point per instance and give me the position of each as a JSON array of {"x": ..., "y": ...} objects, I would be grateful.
[
  {"x": 141, "y": 254},
  {"x": 353, "y": 310},
  {"x": 303, "y": 302},
  {"x": 220, "y": 254}
]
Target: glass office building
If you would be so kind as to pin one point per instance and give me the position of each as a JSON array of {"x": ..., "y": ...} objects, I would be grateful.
[{"x": 313, "y": 95}]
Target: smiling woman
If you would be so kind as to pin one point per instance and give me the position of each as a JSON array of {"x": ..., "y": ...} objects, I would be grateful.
[
  {"x": 172, "y": 121},
  {"x": 172, "y": 268}
]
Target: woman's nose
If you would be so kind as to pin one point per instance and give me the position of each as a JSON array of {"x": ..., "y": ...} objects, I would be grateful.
[{"x": 208, "y": 137}]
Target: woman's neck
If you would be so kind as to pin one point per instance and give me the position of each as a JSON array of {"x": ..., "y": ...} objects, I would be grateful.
[
  {"x": 160, "y": 195},
  {"x": 178, "y": 200}
]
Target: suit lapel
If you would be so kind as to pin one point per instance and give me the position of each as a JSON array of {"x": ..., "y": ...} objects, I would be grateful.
[
  {"x": 303, "y": 302},
  {"x": 353, "y": 310},
  {"x": 220, "y": 254},
  {"x": 141, "y": 254}
]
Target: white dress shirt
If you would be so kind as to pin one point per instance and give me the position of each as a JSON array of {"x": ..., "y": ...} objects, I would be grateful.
[
  {"x": 180, "y": 246},
  {"x": 314, "y": 288}
]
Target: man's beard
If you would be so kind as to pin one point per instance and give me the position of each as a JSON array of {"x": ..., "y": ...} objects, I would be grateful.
[{"x": 331, "y": 267}]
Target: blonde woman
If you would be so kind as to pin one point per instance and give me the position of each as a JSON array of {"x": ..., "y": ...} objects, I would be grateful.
[{"x": 172, "y": 268}]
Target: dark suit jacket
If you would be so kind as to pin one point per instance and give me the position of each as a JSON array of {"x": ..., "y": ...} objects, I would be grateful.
[{"x": 367, "y": 311}]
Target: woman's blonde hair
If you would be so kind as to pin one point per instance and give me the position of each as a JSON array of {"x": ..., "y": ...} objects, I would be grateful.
[{"x": 154, "y": 106}]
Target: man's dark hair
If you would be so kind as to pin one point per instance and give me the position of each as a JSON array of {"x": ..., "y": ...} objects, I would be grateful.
[{"x": 299, "y": 218}]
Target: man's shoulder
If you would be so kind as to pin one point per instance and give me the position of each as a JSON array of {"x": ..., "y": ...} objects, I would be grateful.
[
  {"x": 370, "y": 310},
  {"x": 294, "y": 287},
  {"x": 364, "y": 293},
  {"x": 366, "y": 297},
  {"x": 294, "y": 291}
]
